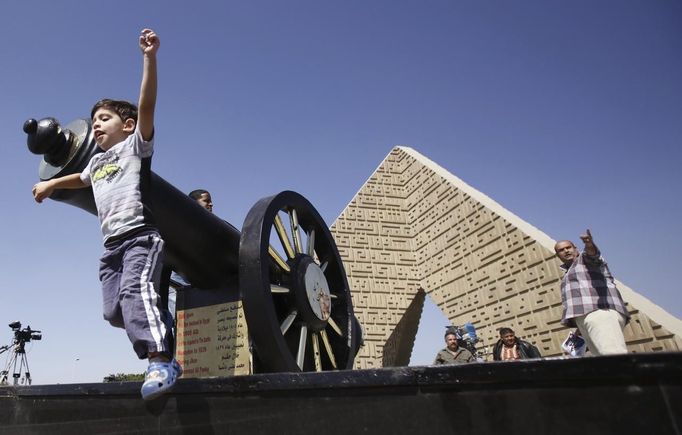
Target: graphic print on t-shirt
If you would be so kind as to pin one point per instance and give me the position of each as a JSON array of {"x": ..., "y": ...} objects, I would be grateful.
[{"x": 107, "y": 168}]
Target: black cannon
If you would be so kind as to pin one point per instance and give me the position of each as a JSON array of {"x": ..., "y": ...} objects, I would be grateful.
[{"x": 284, "y": 264}]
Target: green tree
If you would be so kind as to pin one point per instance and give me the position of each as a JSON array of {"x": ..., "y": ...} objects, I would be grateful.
[{"x": 124, "y": 377}]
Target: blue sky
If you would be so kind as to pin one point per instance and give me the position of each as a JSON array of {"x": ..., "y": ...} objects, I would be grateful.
[{"x": 569, "y": 114}]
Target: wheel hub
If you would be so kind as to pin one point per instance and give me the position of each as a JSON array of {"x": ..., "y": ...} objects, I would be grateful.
[
  {"x": 311, "y": 290},
  {"x": 317, "y": 290}
]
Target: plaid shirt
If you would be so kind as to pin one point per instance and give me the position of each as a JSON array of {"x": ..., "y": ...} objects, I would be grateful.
[{"x": 588, "y": 286}]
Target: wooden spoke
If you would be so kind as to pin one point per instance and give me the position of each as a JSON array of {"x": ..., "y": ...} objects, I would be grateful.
[
  {"x": 302, "y": 339},
  {"x": 311, "y": 243},
  {"x": 284, "y": 237},
  {"x": 328, "y": 347},
  {"x": 286, "y": 324},
  {"x": 278, "y": 289},
  {"x": 316, "y": 353},
  {"x": 334, "y": 326},
  {"x": 293, "y": 219},
  {"x": 278, "y": 259}
]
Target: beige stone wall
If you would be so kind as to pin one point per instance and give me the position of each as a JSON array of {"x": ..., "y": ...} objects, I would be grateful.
[
  {"x": 414, "y": 225},
  {"x": 374, "y": 239}
]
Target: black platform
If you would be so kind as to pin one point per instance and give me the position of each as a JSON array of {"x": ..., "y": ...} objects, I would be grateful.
[{"x": 630, "y": 394}]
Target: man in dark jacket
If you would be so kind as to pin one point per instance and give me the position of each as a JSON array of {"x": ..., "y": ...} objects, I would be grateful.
[{"x": 509, "y": 347}]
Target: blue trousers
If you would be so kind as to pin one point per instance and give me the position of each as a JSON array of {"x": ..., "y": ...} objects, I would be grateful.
[{"x": 130, "y": 271}]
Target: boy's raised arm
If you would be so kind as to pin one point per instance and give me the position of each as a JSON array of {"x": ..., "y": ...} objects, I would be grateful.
[{"x": 149, "y": 44}]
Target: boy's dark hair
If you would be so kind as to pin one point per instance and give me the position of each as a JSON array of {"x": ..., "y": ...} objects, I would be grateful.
[
  {"x": 122, "y": 108},
  {"x": 505, "y": 331},
  {"x": 196, "y": 194}
]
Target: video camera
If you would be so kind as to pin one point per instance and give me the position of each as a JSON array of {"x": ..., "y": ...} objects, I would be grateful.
[{"x": 24, "y": 335}]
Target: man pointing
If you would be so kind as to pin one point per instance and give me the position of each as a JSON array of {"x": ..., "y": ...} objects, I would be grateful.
[{"x": 590, "y": 298}]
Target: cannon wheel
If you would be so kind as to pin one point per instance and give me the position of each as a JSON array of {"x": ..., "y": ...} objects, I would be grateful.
[{"x": 296, "y": 298}]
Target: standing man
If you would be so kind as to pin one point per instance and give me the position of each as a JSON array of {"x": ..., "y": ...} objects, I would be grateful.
[
  {"x": 590, "y": 298},
  {"x": 510, "y": 347},
  {"x": 453, "y": 354},
  {"x": 177, "y": 281}
]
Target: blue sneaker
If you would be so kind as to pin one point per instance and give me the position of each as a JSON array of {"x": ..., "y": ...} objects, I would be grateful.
[{"x": 159, "y": 378}]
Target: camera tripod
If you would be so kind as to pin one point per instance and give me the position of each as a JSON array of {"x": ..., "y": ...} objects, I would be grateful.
[{"x": 16, "y": 360}]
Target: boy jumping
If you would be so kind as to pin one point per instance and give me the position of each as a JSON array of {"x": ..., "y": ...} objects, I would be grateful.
[{"x": 130, "y": 267}]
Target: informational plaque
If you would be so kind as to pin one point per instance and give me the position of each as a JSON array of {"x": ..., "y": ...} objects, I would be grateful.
[{"x": 212, "y": 338}]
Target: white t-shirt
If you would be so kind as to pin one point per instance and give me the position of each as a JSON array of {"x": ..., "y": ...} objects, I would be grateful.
[{"x": 120, "y": 179}]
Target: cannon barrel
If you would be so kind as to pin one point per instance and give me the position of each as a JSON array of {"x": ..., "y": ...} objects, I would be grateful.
[{"x": 199, "y": 245}]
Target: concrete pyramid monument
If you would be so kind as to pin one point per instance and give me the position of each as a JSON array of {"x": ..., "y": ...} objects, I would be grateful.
[{"x": 414, "y": 229}]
